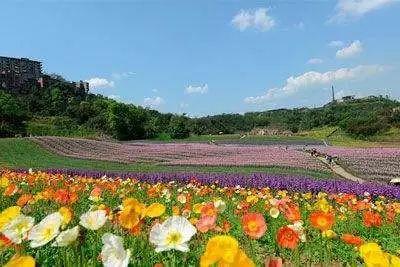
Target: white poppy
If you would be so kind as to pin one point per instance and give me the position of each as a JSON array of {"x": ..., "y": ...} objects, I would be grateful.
[
  {"x": 174, "y": 233},
  {"x": 93, "y": 220},
  {"x": 17, "y": 229},
  {"x": 113, "y": 253},
  {"x": 66, "y": 237},
  {"x": 46, "y": 230}
]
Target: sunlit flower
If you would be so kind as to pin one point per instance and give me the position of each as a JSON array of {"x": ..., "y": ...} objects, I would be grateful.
[
  {"x": 298, "y": 227},
  {"x": 95, "y": 194},
  {"x": 291, "y": 211},
  {"x": 113, "y": 253},
  {"x": 174, "y": 233},
  {"x": 66, "y": 237},
  {"x": 45, "y": 230},
  {"x": 21, "y": 261},
  {"x": 9, "y": 214},
  {"x": 17, "y": 229},
  {"x": 132, "y": 212},
  {"x": 224, "y": 250},
  {"x": 206, "y": 223},
  {"x": 372, "y": 219},
  {"x": 181, "y": 198},
  {"x": 66, "y": 214},
  {"x": 322, "y": 220},
  {"x": 254, "y": 225},
  {"x": 24, "y": 199},
  {"x": 373, "y": 256},
  {"x": 4, "y": 182},
  {"x": 93, "y": 220},
  {"x": 329, "y": 233},
  {"x": 64, "y": 196},
  {"x": 274, "y": 212},
  {"x": 352, "y": 239},
  {"x": 220, "y": 205},
  {"x": 155, "y": 210},
  {"x": 287, "y": 237}
]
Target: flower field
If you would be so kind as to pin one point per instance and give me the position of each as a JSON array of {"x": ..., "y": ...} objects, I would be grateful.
[
  {"x": 380, "y": 164},
  {"x": 182, "y": 153},
  {"x": 78, "y": 218}
]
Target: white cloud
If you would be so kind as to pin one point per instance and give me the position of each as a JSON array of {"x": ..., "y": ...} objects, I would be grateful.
[
  {"x": 336, "y": 43},
  {"x": 123, "y": 75},
  {"x": 258, "y": 19},
  {"x": 97, "y": 82},
  {"x": 153, "y": 102},
  {"x": 349, "y": 51},
  {"x": 314, "y": 61},
  {"x": 193, "y": 89},
  {"x": 353, "y": 9},
  {"x": 314, "y": 78}
]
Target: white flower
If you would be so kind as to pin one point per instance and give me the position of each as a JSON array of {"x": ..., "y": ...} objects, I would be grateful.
[
  {"x": 66, "y": 237},
  {"x": 45, "y": 230},
  {"x": 174, "y": 233},
  {"x": 274, "y": 212},
  {"x": 298, "y": 227},
  {"x": 17, "y": 229},
  {"x": 93, "y": 220},
  {"x": 113, "y": 253},
  {"x": 220, "y": 205}
]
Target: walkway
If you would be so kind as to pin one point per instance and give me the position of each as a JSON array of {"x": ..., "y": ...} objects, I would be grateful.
[{"x": 340, "y": 171}]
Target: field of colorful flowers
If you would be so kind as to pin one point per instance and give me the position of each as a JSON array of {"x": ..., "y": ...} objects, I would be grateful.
[
  {"x": 182, "y": 153},
  {"x": 379, "y": 164},
  {"x": 60, "y": 219}
]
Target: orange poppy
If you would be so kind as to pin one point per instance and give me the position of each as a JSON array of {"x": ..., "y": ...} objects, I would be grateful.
[
  {"x": 254, "y": 225},
  {"x": 209, "y": 209},
  {"x": 24, "y": 199},
  {"x": 291, "y": 211},
  {"x": 65, "y": 197},
  {"x": 10, "y": 190},
  {"x": 322, "y": 220},
  {"x": 371, "y": 219},
  {"x": 287, "y": 237},
  {"x": 352, "y": 239}
]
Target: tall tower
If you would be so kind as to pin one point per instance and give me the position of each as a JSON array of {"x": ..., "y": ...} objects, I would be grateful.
[{"x": 333, "y": 94}]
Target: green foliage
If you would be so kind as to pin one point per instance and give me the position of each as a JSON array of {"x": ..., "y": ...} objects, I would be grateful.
[
  {"x": 57, "y": 126},
  {"x": 12, "y": 116},
  {"x": 178, "y": 127},
  {"x": 364, "y": 126},
  {"x": 86, "y": 113}
]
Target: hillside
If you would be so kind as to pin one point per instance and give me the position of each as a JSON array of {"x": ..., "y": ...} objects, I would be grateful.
[{"x": 61, "y": 110}]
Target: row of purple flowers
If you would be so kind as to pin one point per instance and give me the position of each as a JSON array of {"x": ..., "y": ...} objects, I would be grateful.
[{"x": 255, "y": 180}]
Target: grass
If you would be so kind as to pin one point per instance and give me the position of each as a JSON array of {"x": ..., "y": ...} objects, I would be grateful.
[
  {"x": 23, "y": 153},
  {"x": 390, "y": 138}
]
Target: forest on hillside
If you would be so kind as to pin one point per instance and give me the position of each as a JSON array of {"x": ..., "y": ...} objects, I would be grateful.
[{"x": 60, "y": 109}]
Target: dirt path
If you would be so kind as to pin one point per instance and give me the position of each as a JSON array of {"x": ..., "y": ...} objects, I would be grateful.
[{"x": 340, "y": 171}]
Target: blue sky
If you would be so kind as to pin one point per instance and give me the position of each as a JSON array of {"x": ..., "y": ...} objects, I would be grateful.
[{"x": 208, "y": 57}]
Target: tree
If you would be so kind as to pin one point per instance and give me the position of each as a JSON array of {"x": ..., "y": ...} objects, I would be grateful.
[{"x": 12, "y": 116}]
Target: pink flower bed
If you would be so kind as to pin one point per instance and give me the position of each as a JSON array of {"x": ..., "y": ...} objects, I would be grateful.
[
  {"x": 370, "y": 163},
  {"x": 182, "y": 153}
]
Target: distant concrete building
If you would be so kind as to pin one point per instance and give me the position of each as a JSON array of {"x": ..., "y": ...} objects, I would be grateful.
[{"x": 16, "y": 73}]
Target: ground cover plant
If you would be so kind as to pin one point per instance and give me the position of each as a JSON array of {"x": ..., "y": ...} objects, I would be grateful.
[
  {"x": 57, "y": 219},
  {"x": 23, "y": 153},
  {"x": 182, "y": 153},
  {"x": 380, "y": 164}
]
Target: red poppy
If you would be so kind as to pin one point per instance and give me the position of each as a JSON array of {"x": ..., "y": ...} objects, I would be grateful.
[
  {"x": 352, "y": 239},
  {"x": 65, "y": 197},
  {"x": 371, "y": 219},
  {"x": 287, "y": 237}
]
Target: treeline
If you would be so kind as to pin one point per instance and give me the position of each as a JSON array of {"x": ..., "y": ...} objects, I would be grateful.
[{"x": 61, "y": 109}]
